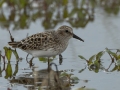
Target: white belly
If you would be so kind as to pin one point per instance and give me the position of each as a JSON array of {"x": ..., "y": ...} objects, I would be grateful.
[
  {"x": 50, "y": 52},
  {"x": 40, "y": 53}
]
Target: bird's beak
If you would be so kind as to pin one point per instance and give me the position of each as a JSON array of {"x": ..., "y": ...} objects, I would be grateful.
[{"x": 75, "y": 36}]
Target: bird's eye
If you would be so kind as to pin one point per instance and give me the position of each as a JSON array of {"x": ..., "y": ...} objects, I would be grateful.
[{"x": 66, "y": 30}]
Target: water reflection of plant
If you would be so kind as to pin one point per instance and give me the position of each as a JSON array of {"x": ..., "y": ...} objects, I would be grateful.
[
  {"x": 23, "y": 12},
  {"x": 8, "y": 70},
  {"x": 94, "y": 62},
  {"x": 7, "y": 66}
]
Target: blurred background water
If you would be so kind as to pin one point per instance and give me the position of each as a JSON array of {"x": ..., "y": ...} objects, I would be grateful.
[{"x": 95, "y": 21}]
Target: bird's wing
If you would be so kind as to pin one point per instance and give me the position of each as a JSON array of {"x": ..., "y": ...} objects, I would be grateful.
[{"x": 39, "y": 41}]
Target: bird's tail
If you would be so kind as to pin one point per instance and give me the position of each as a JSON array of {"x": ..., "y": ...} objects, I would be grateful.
[{"x": 14, "y": 44}]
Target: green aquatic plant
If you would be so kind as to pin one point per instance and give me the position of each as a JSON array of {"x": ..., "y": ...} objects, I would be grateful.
[
  {"x": 94, "y": 62},
  {"x": 8, "y": 53}
]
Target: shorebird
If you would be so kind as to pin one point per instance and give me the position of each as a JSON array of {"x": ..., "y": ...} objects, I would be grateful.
[{"x": 48, "y": 43}]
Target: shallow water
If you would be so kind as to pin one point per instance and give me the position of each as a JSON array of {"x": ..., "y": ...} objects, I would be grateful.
[{"x": 102, "y": 33}]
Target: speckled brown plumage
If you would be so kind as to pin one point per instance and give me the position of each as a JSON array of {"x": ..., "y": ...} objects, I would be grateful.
[{"x": 39, "y": 41}]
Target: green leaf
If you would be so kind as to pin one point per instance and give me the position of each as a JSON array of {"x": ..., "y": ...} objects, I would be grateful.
[
  {"x": 23, "y": 3},
  {"x": 8, "y": 53},
  {"x": 82, "y": 57},
  {"x": 80, "y": 71},
  {"x": 81, "y": 13},
  {"x": 99, "y": 55},
  {"x": 115, "y": 68},
  {"x": 75, "y": 78},
  {"x": 118, "y": 62},
  {"x": 93, "y": 3},
  {"x": 1, "y": 2},
  {"x": 2, "y": 18},
  {"x": 16, "y": 69},
  {"x": 64, "y": 74},
  {"x": 118, "y": 56},
  {"x": 42, "y": 59},
  {"x": 97, "y": 65},
  {"x": 12, "y": 1},
  {"x": 91, "y": 58},
  {"x": 107, "y": 9},
  {"x": 22, "y": 21},
  {"x": 46, "y": 59},
  {"x": 65, "y": 13},
  {"x": 16, "y": 54},
  {"x": 65, "y": 2},
  {"x": 112, "y": 53},
  {"x": 116, "y": 10}
]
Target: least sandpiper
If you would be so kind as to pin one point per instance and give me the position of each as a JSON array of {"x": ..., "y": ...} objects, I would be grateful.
[{"x": 48, "y": 43}]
